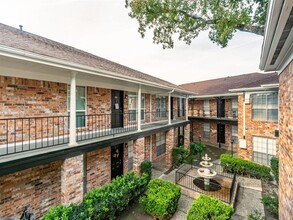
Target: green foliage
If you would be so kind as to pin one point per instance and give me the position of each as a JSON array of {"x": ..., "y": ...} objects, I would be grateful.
[
  {"x": 255, "y": 215},
  {"x": 186, "y": 19},
  {"x": 179, "y": 155},
  {"x": 162, "y": 199},
  {"x": 146, "y": 167},
  {"x": 244, "y": 167},
  {"x": 196, "y": 148},
  {"x": 104, "y": 202},
  {"x": 271, "y": 204},
  {"x": 275, "y": 168},
  {"x": 206, "y": 207}
]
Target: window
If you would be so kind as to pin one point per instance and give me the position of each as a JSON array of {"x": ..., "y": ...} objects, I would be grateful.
[
  {"x": 180, "y": 136},
  {"x": 160, "y": 143},
  {"x": 206, "y": 107},
  {"x": 80, "y": 105},
  {"x": 263, "y": 150},
  {"x": 132, "y": 106},
  {"x": 234, "y": 108},
  {"x": 206, "y": 130},
  {"x": 235, "y": 134},
  {"x": 130, "y": 155},
  {"x": 161, "y": 106},
  {"x": 181, "y": 107},
  {"x": 265, "y": 107}
]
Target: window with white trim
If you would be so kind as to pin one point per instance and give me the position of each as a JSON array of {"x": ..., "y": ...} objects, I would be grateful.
[
  {"x": 160, "y": 143},
  {"x": 263, "y": 149},
  {"x": 132, "y": 106},
  {"x": 265, "y": 106},
  {"x": 80, "y": 105},
  {"x": 130, "y": 155},
  {"x": 206, "y": 130},
  {"x": 234, "y": 134},
  {"x": 234, "y": 107},
  {"x": 206, "y": 107},
  {"x": 161, "y": 106}
]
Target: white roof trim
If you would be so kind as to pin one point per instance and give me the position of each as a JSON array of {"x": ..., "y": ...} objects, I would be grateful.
[
  {"x": 216, "y": 95},
  {"x": 258, "y": 88}
]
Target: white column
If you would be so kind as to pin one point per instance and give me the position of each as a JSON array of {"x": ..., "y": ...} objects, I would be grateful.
[
  {"x": 72, "y": 131},
  {"x": 139, "y": 108},
  {"x": 186, "y": 108},
  {"x": 169, "y": 108},
  {"x": 151, "y": 108}
]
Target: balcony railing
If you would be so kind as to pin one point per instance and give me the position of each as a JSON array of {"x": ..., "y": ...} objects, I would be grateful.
[
  {"x": 31, "y": 133},
  {"x": 232, "y": 114}
]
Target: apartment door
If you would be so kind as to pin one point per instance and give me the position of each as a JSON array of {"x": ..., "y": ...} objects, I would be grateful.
[
  {"x": 172, "y": 105},
  {"x": 117, "y": 109},
  {"x": 220, "y": 134},
  {"x": 221, "y": 108},
  {"x": 116, "y": 161}
]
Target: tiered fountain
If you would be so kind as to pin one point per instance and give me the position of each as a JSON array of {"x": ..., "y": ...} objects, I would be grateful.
[{"x": 207, "y": 174}]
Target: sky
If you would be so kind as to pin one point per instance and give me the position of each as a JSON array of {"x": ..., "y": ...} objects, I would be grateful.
[{"x": 103, "y": 27}]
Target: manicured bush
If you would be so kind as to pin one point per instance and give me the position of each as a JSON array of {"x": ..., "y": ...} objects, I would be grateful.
[
  {"x": 146, "y": 167},
  {"x": 103, "y": 202},
  {"x": 271, "y": 204},
  {"x": 206, "y": 207},
  {"x": 275, "y": 168},
  {"x": 244, "y": 167},
  {"x": 255, "y": 215},
  {"x": 162, "y": 199},
  {"x": 196, "y": 148},
  {"x": 179, "y": 155}
]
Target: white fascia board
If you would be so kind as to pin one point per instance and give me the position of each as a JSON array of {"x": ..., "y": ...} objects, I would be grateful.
[
  {"x": 259, "y": 88},
  {"x": 274, "y": 11},
  {"x": 216, "y": 95},
  {"x": 50, "y": 61}
]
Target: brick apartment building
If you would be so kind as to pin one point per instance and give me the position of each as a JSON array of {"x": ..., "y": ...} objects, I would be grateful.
[
  {"x": 277, "y": 55},
  {"x": 71, "y": 121},
  {"x": 239, "y": 112}
]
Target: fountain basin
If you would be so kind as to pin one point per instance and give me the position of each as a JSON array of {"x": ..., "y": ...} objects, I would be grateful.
[
  {"x": 206, "y": 173},
  {"x": 206, "y": 164}
]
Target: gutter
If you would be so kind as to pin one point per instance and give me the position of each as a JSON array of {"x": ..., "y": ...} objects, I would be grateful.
[
  {"x": 259, "y": 88},
  {"x": 55, "y": 62},
  {"x": 217, "y": 95}
]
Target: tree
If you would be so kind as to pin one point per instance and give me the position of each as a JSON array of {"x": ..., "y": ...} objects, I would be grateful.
[{"x": 187, "y": 18}]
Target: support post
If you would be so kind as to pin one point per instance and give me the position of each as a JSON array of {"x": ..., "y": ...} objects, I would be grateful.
[
  {"x": 139, "y": 108},
  {"x": 169, "y": 108},
  {"x": 72, "y": 131}
]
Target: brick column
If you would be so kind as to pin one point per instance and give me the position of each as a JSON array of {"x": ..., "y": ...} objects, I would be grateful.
[
  {"x": 72, "y": 180},
  {"x": 169, "y": 146},
  {"x": 138, "y": 154},
  {"x": 187, "y": 136}
]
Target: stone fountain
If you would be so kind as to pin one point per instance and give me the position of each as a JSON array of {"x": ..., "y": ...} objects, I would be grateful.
[{"x": 205, "y": 172}]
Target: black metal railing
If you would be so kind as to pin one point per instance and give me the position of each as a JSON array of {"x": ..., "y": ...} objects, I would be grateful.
[
  {"x": 101, "y": 125},
  {"x": 232, "y": 114},
  {"x": 25, "y": 134}
]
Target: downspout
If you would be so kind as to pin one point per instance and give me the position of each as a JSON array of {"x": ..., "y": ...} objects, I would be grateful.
[{"x": 169, "y": 106}]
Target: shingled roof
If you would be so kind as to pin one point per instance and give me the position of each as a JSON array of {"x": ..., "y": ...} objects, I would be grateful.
[
  {"x": 222, "y": 85},
  {"x": 13, "y": 37}
]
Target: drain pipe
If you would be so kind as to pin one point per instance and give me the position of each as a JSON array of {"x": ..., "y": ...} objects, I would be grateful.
[{"x": 169, "y": 106}]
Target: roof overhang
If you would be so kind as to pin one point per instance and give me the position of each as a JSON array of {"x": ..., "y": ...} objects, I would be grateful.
[
  {"x": 259, "y": 88},
  {"x": 216, "y": 95},
  {"x": 277, "y": 48},
  {"x": 23, "y": 55}
]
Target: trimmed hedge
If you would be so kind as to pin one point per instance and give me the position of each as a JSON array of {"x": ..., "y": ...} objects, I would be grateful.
[
  {"x": 271, "y": 204},
  {"x": 275, "y": 168},
  {"x": 196, "y": 148},
  {"x": 162, "y": 199},
  {"x": 146, "y": 168},
  {"x": 244, "y": 167},
  {"x": 206, "y": 207},
  {"x": 104, "y": 202},
  {"x": 179, "y": 155}
]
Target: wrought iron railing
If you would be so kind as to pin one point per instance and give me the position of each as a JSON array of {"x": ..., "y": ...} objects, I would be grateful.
[{"x": 233, "y": 114}]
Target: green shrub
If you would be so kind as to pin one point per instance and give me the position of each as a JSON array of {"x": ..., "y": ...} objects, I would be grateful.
[
  {"x": 104, "y": 202},
  {"x": 146, "y": 167},
  {"x": 179, "y": 155},
  {"x": 244, "y": 167},
  {"x": 206, "y": 207},
  {"x": 255, "y": 215},
  {"x": 196, "y": 148},
  {"x": 162, "y": 199},
  {"x": 275, "y": 168},
  {"x": 271, "y": 204}
]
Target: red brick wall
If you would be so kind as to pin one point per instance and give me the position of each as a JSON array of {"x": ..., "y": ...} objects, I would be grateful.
[
  {"x": 138, "y": 154},
  {"x": 38, "y": 187},
  {"x": 253, "y": 128},
  {"x": 147, "y": 147},
  {"x": 169, "y": 147},
  {"x": 98, "y": 168},
  {"x": 286, "y": 143},
  {"x": 187, "y": 135},
  {"x": 98, "y": 101}
]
